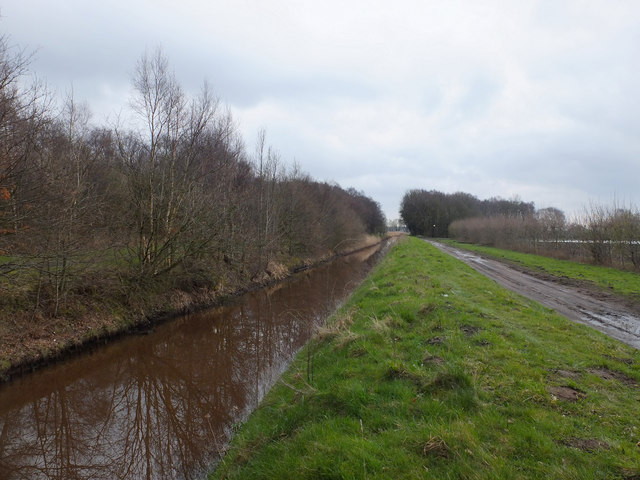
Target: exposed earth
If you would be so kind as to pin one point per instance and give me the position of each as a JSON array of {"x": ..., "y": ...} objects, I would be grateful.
[{"x": 595, "y": 308}]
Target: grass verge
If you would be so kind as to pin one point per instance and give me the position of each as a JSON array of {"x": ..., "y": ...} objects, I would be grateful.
[
  {"x": 432, "y": 371},
  {"x": 620, "y": 282}
]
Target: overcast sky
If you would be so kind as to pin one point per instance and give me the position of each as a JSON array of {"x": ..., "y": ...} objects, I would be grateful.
[{"x": 539, "y": 99}]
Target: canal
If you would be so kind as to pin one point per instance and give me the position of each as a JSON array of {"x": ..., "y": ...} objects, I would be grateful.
[{"x": 164, "y": 405}]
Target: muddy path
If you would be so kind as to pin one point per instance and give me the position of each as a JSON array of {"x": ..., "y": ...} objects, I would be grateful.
[{"x": 603, "y": 312}]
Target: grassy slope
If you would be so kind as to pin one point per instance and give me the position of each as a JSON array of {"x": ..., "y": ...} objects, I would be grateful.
[
  {"x": 433, "y": 371},
  {"x": 617, "y": 281}
]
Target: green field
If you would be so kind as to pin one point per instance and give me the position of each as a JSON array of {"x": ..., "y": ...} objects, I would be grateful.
[
  {"x": 621, "y": 282},
  {"x": 432, "y": 371}
]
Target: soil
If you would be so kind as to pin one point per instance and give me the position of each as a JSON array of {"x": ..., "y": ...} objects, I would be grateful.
[
  {"x": 607, "y": 374},
  {"x": 568, "y": 374},
  {"x": 433, "y": 359},
  {"x": 586, "y": 444},
  {"x": 566, "y": 393},
  {"x": 626, "y": 361},
  {"x": 612, "y": 315},
  {"x": 469, "y": 330}
]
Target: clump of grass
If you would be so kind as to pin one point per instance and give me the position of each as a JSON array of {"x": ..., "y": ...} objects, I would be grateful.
[
  {"x": 484, "y": 402},
  {"x": 451, "y": 381},
  {"x": 427, "y": 309},
  {"x": 396, "y": 370},
  {"x": 436, "y": 446},
  {"x": 337, "y": 326},
  {"x": 382, "y": 326}
]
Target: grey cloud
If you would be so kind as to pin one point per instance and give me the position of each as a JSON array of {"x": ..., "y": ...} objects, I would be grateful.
[{"x": 542, "y": 97}]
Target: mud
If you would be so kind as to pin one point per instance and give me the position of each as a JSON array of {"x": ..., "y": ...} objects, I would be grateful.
[
  {"x": 590, "y": 445},
  {"x": 566, "y": 393},
  {"x": 433, "y": 360},
  {"x": 568, "y": 374},
  {"x": 607, "y": 374},
  {"x": 604, "y": 312},
  {"x": 469, "y": 330}
]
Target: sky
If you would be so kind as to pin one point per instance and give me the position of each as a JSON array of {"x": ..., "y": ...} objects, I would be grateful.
[{"x": 536, "y": 99}]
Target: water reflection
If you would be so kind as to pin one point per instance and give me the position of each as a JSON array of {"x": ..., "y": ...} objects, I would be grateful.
[{"x": 163, "y": 405}]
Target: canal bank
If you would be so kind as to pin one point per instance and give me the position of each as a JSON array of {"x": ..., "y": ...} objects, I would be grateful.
[{"x": 29, "y": 340}]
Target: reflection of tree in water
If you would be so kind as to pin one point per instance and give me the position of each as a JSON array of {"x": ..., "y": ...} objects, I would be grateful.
[
  {"x": 157, "y": 414},
  {"x": 158, "y": 406},
  {"x": 143, "y": 427}
]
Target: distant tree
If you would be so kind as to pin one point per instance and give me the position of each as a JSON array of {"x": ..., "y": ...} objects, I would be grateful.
[
  {"x": 552, "y": 224},
  {"x": 413, "y": 211},
  {"x": 624, "y": 228},
  {"x": 395, "y": 225},
  {"x": 596, "y": 219},
  {"x": 510, "y": 208},
  {"x": 430, "y": 213},
  {"x": 368, "y": 211},
  {"x": 462, "y": 205}
]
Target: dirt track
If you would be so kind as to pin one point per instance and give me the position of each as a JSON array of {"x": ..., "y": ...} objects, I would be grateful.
[{"x": 576, "y": 303}]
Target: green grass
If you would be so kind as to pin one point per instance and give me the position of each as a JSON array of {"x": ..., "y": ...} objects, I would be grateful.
[
  {"x": 432, "y": 371},
  {"x": 621, "y": 282}
]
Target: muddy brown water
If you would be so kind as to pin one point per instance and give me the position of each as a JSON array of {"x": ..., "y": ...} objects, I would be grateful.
[{"x": 164, "y": 405}]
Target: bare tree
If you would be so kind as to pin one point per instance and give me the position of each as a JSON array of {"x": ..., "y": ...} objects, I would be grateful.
[
  {"x": 22, "y": 117},
  {"x": 267, "y": 165},
  {"x": 161, "y": 169},
  {"x": 625, "y": 235},
  {"x": 598, "y": 239},
  {"x": 552, "y": 224}
]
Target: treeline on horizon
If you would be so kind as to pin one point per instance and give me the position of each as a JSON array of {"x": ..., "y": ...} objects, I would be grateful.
[
  {"x": 604, "y": 235},
  {"x": 178, "y": 201}
]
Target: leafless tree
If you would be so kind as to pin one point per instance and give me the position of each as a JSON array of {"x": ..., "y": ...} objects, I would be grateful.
[
  {"x": 552, "y": 224},
  {"x": 598, "y": 239},
  {"x": 625, "y": 235},
  {"x": 67, "y": 203},
  {"x": 161, "y": 168},
  {"x": 22, "y": 117}
]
